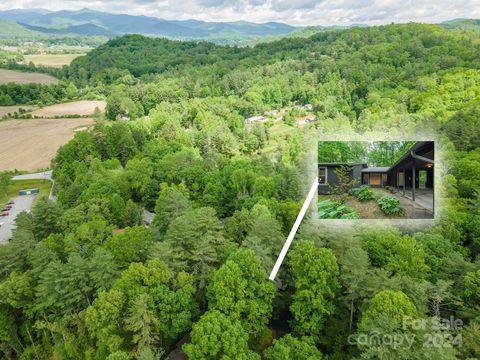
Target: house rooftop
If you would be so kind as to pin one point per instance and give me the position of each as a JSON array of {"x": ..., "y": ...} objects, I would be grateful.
[
  {"x": 413, "y": 148},
  {"x": 340, "y": 164},
  {"x": 376, "y": 169}
]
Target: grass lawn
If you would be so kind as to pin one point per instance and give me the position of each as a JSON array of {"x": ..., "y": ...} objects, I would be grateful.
[
  {"x": 277, "y": 132},
  {"x": 16, "y": 186}
]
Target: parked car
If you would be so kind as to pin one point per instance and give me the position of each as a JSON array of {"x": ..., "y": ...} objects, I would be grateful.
[
  {"x": 11, "y": 202},
  {"x": 1, "y": 224},
  {"x": 8, "y": 206},
  {"x": 4, "y": 213},
  {"x": 5, "y": 209}
]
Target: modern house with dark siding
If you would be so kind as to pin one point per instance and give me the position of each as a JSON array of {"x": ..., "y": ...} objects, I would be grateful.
[
  {"x": 327, "y": 176},
  {"x": 417, "y": 163}
]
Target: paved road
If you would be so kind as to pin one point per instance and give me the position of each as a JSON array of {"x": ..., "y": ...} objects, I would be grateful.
[
  {"x": 22, "y": 203},
  {"x": 44, "y": 175}
]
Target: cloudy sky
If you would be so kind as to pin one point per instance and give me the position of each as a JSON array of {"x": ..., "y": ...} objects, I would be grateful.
[{"x": 295, "y": 12}]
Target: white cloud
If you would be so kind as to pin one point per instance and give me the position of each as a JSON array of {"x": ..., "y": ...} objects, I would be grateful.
[{"x": 295, "y": 12}]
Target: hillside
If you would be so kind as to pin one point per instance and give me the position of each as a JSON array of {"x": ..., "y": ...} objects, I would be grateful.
[
  {"x": 11, "y": 29},
  {"x": 464, "y": 24},
  {"x": 13, "y": 33},
  {"x": 141, "y": 55}
]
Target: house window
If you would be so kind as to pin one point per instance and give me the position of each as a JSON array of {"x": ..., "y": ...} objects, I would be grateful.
[{"x": 322, "y": 175}]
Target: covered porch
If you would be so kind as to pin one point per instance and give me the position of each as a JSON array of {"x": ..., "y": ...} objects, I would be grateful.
[
  {"x": 423, "y": 198},
  {"x": 413, "y": 175}
]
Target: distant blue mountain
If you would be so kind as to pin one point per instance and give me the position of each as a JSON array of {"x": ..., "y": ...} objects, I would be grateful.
[{"x": 89, "y": 22}]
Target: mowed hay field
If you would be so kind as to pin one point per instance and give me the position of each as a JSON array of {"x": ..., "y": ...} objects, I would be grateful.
[
  {"x": 51, "y": 60},
  {"x": 31, "y": 144},
  {"x": 18, "y": 77},
  {"x": 83, "y": 108}
]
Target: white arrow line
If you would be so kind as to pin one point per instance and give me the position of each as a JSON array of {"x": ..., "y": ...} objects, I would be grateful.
[{"x": 295, "y": 227}]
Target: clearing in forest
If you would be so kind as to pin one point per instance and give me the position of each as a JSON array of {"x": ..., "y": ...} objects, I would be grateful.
[
  {"x": 19, "y": 77},
  {"x": 82, "y": 108},
  {"x": 51, "y": 60},
  {"x": 31, "y": 144}
]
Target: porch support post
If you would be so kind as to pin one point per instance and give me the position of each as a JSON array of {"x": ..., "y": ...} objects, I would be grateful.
[
  {"x": 404, "y": 181},
  {"x": 413, "y": 180}
]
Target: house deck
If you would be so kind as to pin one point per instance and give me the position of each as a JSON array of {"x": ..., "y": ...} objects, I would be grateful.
[{"x": 422, "y": 207}]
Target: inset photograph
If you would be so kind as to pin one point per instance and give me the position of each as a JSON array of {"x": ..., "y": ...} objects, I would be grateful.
[{"x": 376, "y": 180}]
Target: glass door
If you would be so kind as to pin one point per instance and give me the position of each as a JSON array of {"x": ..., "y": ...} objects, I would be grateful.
[
  {"x": 422, "y": 179},
  {"x": 400, "y": 178}
]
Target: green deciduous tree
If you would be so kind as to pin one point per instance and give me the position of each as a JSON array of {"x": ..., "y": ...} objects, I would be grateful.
[
  {"x": 240, "y": 290},
  {"x": 291, "y": 348},
  {"x": 472, "y": 286},
  {"x": 391, "y": 315},
  {"x": 226, "y": 339},
  {"x": 315, "y": 273},
  {"x": 398, "y": 253},
  {"x": 5, "y": 178},
  {"x": 133, "y": 245},
  {"x": 147, "y": 301}
]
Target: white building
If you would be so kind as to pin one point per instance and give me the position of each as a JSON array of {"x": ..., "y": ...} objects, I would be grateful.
[{"x": 255, "y": 119}]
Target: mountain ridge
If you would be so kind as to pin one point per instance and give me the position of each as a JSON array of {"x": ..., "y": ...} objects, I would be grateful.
[{"x": 91, "y": 22}]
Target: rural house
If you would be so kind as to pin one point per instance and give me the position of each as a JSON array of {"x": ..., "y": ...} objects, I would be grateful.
[
  {"x": 306, "y": 119},
  {"x": 412, "y": 174},
  {"x": 255, "y": 119}
]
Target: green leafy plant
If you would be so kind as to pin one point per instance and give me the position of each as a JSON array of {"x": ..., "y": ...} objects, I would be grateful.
[
  {"x": 390, "y": 189},
  {"x": 328, "y": 209},
  {"x": 390, "y": 205},
  {"x": 363, "y": 193}
]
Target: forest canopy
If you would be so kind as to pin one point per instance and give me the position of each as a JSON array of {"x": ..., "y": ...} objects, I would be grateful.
[{"x": 84, "y": 278}]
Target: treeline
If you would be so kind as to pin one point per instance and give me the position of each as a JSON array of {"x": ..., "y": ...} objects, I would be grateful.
[
  {"x": 40, "y": 94},
  {"x": 375, "y": 153},
  {"x": 393, "y": 47},
  {"x": 15, "y": 64}
]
